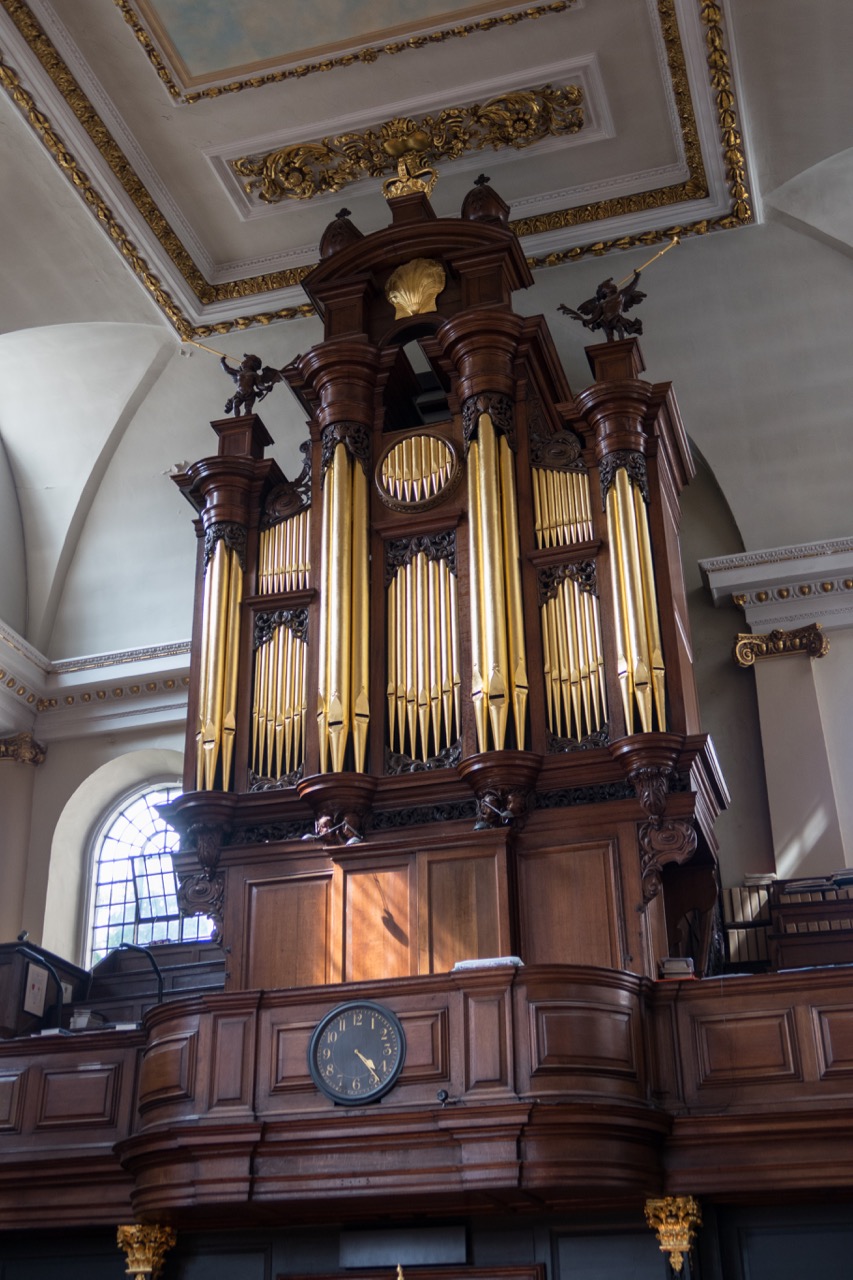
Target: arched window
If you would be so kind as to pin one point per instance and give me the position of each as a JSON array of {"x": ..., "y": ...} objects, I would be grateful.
[{"x": 134, "y": 888}]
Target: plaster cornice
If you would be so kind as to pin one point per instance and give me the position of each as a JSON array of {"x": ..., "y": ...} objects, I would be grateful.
[{"x": 787, "y": 587}]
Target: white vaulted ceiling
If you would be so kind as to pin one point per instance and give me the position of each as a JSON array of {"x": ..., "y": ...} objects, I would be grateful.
[{"x": 124, "y": 228}]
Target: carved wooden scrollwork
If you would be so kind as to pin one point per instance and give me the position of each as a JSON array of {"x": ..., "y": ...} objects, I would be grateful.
[
  {"x": 497, "y": 406},
  {"x": 581, "y": 572},
  {"x": 266, "y": 624},
  {"x": 634, "y": 463},
  {"x": 396, "y": 763},
  {"x": 229, "y": 532},
  {"x": 292, "y": 496},
  {"x": 202, "y": 893},
  {"x": 354, "y": 435},
  {"x": 664, "y": 840},
  {"x": 435, "y": 546}
]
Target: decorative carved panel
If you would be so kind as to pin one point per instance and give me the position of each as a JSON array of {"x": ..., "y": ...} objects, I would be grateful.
[{"x": 72, "y": 1097}]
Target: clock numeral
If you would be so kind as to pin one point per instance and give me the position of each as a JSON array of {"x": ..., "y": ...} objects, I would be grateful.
[
  {"x": 327, "y": 1053},
  {"x": 342, "y": 1024},
  {"x": 330, "y": 1069},
  {"x": 331, "y": 1036},
  {"x": 386, "y": 1049},
  {"x": 356, "y": 1083},
  {"x": 357, "y": 1019}
]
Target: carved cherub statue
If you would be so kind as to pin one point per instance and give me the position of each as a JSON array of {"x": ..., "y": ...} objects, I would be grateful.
[
  {"x": 607, "y": 309},
  {"x": 253, "y": 383}
]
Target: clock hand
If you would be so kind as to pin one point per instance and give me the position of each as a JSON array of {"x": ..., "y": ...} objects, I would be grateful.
[{"x": 369, "y": 1064}]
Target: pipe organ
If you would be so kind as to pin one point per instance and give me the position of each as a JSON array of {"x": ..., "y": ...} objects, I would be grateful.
[{"x": 454, "y": 642}]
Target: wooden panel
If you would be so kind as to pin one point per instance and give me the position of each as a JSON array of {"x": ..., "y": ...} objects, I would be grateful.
[
  {"x": 85, "y": 1096},
  {"x": 568, "y": 906},
  {"x": 289, "y": 1068},
  {"x": 746, "y": 1048},
  {"x": 461, "y": 902},
  {"x": 168, "y": 1070},
  {"x": 287, "y": 935},
  {"x": 378, "y": 940},
  {"x": 834, "y": 1028},
  {"x": 11, "y": 1093},
  {"x": 231, "y": 1061},
  {"x": 571, "y": 1037},
  {"x": 487, "y": 1042},
  {"x": 427, "y": 1046}
]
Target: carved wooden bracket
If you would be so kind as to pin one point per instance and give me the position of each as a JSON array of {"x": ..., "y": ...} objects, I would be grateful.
[
  {"x": 502, "y": 782},
  {"x": 341, "y": 804},
  {"x": 650, "y": 761}
]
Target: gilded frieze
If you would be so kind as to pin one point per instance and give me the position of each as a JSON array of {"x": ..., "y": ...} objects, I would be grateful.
[{"x": 312, "y": 168}]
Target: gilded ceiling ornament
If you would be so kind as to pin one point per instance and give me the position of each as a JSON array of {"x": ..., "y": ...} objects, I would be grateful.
[
  {"x": 363, "y": 56},
  {"x": 414, "y": 287},
  {"x": 810, "y": 640},
  {"x": 719, "y": 70},
  {"x": 675, "y": 1220},
  {"x": 307, "y": 169},
  {"x": 23, "y": 748}
]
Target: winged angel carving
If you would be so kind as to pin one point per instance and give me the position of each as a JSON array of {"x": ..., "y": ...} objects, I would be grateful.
[{"x": 606, "y": 310}]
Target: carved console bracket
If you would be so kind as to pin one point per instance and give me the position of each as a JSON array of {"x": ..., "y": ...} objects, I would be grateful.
[
  {"x": 202, "y": 893},
  {"x": 342, "y": 806},
  {"x": 810, "y": 640},
  {"x": 674, "y": 1220},
  {"x": 649, "y": 761},
  {"x": 291, "y": 496},
  {"x": 23, "y": 748},
  {"x": 146, "y": 1246},
  {"x": 502, "y": 782}
]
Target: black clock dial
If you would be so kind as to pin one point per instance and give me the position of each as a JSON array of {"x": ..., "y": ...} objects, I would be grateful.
[{"x": 356, "y": 1052}]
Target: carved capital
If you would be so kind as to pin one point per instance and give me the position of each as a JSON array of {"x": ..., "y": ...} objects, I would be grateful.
[
  {"x": 651, "y": 785},
  {"x": 629, "y": 460},
  {"x": 810, "y": 640},
  {"x": 23, "y": 748},
  {"x": 229, "y": 532},
  {"x": 202, "y": 893},
  {"x": 146, "y": 1246},
  {"x": 354, "y": 435},
  {"x": 499, "y": 409},
  {"x": 504, "y": 808},
  {"x": 675, "y": 1221}
]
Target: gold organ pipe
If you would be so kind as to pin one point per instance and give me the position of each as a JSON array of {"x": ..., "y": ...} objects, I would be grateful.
[
  {"x": 272, "y": 703},
  {"x": 551, "y": 623},
  {"x": 537, "y": 506},
  {"x": 391, "y": 658},
  {"x": 445, "y": 664},
  {"x": 204, "y": 671},
  {"x": 434, "y": 654},
  {"x": 569, "y": 621},
  {"x": 402, "y": 593},
  {"x": 650, "y": 597},
  {"x": 512, "y": 568},
  {"x": 546, "y": 663},
  {"x": 454, "y": 650},
  {"x": 478, "y": 686},
  {"x": 283, "y": 692},
  {"x": 290, "y": 705},
  {"x": 594, "y": 715},
  {"x": 617, "y": 577},
  {"x": 256, "y": 708},
  {"x": 360, "y": 617},
  {"x": 326, "y": 606},
  {"x": 562, "y": 508},
  {"x": 340, "y": 616},
  {"x": 634, "y": 591},
  {"x": 213, "y": 697},
  {"x": 422, "y": 639},
  {"x": 602, "y": 684},
  {"x": 561, "y": 631},
  {"x": 494, "y": 596},
  {"x": 583, "y": 652},
  {"x": 411, "y": 673},
  {"x": 232, "y": 667}
]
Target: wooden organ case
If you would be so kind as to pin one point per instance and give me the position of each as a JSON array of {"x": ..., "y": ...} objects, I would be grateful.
[{"x": 442, "y": 711}]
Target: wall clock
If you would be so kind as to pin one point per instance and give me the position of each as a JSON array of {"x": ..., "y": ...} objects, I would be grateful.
[{"x": 357, "y": 1052}]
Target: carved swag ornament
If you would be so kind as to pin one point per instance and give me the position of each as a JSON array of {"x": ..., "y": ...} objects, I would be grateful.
[
  {"x": 499, "y": 409},
  {"x": 354, "y": 435}
]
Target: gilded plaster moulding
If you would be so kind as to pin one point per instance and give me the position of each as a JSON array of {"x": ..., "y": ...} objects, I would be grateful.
[
  {"x": 787, "y": 587},
  {"x": 75, "y": 697},
  {"x": 46, "y": 76}
]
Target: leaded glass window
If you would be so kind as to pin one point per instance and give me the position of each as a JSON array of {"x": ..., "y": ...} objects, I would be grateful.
[{"x": 134, "y": 894}]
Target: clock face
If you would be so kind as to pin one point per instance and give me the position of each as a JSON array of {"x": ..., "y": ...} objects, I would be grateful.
[{"x": 356, "y": 1052}]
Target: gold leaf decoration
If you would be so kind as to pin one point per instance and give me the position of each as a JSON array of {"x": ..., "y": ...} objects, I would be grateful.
[{"x": 307, "y": 169}]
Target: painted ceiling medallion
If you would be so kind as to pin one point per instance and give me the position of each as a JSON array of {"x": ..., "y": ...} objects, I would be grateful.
[{"x": 308, "y": 169}]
